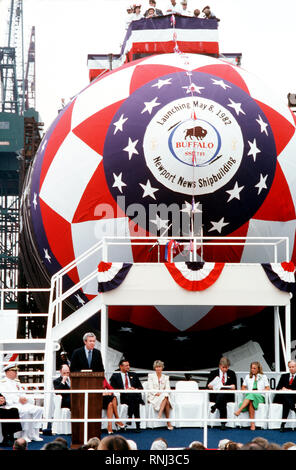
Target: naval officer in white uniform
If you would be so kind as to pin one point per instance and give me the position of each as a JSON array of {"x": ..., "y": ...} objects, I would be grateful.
[{"x": 24, "y": 404}]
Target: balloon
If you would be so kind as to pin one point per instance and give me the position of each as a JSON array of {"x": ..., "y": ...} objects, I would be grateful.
[{"x": 138, "y": 148}]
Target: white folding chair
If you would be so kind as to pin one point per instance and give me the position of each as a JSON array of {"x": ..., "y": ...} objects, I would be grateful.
[
  {"x": 260, "y": 413},
  {"x": 122, "y": 413},
  {"x": 152, "y": 415},
  {"x": 60, "y": 413},
  {"x": 276, "y": 412},
  {"x": 123, "y": 409},
  {"x": 188, "y": 405},
  {"x": 231, "y": 407}
]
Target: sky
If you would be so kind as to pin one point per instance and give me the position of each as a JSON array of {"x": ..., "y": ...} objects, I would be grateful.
[{"x": 68, "y": 30}]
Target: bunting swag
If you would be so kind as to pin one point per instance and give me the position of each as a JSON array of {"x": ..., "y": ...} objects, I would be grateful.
[
  {"x": 111, "y": 275},
  {"x": 282, "y": 275},
  {"x": 195, "y": 276}
]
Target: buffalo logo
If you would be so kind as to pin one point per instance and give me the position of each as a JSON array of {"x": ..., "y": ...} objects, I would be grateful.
[{"x": 197, "y": 131}]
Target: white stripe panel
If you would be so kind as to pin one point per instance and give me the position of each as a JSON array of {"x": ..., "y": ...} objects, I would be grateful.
[
  {"x": 287, "y": 162},
  {"x": 87, "y": 234},
  {"x": 164, "y": 35},
  {"x": 104, "y": 63},
  {"x": 100, "y": 94},
  {"x": 183, "y": 317},
  {"x": 68, "y": 175},
  {"x": 264, "y": 228},
  {"x": 261, "y": 91},
  {"x": 180, "y": 60}
]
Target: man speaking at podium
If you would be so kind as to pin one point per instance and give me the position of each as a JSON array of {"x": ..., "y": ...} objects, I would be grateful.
[{"x": 87, "y": 357}]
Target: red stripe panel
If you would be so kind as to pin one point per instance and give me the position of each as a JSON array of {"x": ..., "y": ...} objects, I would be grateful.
[
  {"x": 195, "y": 285},
  {"x": 168, "y": 47}
]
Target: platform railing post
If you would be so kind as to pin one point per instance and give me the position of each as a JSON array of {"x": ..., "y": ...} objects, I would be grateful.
[{"x": 104, "y": 333}]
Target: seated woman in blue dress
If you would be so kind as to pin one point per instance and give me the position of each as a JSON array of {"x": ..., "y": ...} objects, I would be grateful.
[{"x": 256, "y": 380}]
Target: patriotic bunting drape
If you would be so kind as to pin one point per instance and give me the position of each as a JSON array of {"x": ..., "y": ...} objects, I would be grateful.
[
  {"x": 195, "y": 276},
  {"x": 111, "y": 275},
  {"x": 282, "y": 275}
]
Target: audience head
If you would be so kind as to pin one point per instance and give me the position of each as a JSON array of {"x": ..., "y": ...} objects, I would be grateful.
[
  {"x": 116, "y": 442},
  {"x": 93, "y": 443},
  {"x": 158, "y": 366},
  {"x": 132, "y": 444},
  {"x": 65, "y": 370},
  {"x": 288, "y": 444},
  {"x": 251, "y": 446},
  {"x": 261, "y": 441},
  {"x": 222, "y": 443},
  {"x": 89, "y": 340},
  {"x": 20, "y": 444},
  {"x": 255, "y": 368},
  {"x": 224, "y": 364},
  {"x": 11, "y": 371},
  {"x": 151, "y": 11},
  {"x": 231, "y": 445},
  {"x": 196, "y": 12},
  {"x": 273, "y": 446},
  {"x": 207, "y": 10},
  {"x": 137, "y": 8},
  {"x": 62, "y": 440},
  {"x": 124, "y": 365},
  {"x": 159, "y": 444},
  {"x": 197, "y": 445},
  {"x": 292, "y": 367},
  {"x": 54, "y": 445}
]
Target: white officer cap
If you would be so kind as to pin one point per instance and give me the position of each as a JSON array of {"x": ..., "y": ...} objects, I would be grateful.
[{"x": 11, "y": 366}]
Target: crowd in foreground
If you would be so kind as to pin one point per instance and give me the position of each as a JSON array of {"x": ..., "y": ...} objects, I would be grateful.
[{"x": 120, "y": 443}]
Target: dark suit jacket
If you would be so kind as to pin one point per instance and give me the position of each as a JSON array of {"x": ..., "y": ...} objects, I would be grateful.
[
  {"x": 117, "y": 383},
  {"x": 284, "y": 382},
  {"x": 80, "y": 362},
  {"x": 231, "y": 377},
  {"x": 66, "y": 398},
  {"x": 231, "y": 380}
]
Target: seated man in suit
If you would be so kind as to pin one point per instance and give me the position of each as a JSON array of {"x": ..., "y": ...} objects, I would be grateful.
[
  {"x": 228, "y": 379},
  {"x": 87, "y": 357},
  {"x": 287, "y": 382},
  {"x": 127, "y": 380},
  {"x": 63, "y": 383}
]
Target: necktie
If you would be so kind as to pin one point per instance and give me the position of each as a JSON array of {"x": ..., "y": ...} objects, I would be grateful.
[
  {"x": 89, "y": 357},
  {"x": 223, "y": 379},
  {"x": 291, "y": 379},
  {"x": 126, "y": 381}
]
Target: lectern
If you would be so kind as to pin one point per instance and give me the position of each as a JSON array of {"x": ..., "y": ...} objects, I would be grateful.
[{"x": 86, "y": 381}]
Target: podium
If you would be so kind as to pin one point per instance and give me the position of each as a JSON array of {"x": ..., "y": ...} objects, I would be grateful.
[{"x": 86, "y": 381}]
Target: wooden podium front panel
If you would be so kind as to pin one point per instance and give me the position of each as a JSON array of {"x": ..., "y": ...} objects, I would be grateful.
[{"x": 86, "y": 381}]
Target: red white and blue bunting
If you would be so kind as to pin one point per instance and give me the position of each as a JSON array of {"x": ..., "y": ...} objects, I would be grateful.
[
  {"x": 111, "y": 275},
  {"x": 282, "y": 275},
  {"x": 195, "y": 275}
]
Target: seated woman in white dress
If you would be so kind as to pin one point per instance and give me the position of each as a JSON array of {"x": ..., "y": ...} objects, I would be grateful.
[
  {"x": 256, "y": 380},
  {"x": 159, "y": 399}
]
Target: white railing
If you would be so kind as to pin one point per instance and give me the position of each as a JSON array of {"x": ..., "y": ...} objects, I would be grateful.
[
  {"x": 205, "y": 419},
  {"x": 57, "y": 296}
]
